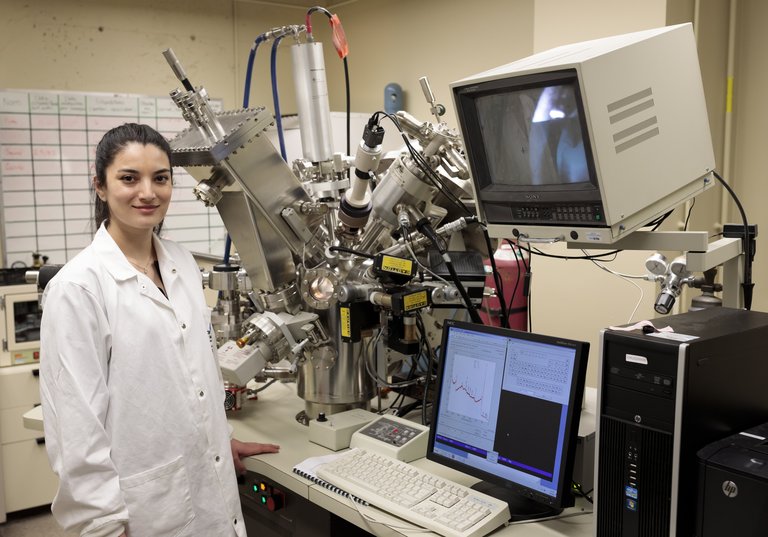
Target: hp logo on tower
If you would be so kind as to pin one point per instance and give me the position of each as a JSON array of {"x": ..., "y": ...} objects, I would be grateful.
[{"x": 730, "y": 489}]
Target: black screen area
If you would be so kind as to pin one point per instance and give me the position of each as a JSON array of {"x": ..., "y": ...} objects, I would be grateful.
[
  {"x": 526, "y": 434},
  {"x": 27, "y": 315}
]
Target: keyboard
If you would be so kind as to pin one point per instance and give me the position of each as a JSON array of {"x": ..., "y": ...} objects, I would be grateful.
[{"x": 415, "y": 495}]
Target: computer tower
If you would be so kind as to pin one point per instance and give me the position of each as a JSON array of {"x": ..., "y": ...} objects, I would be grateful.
[
  {"x": 733, "y": 485},
  {"x": 663, "y": 396}
]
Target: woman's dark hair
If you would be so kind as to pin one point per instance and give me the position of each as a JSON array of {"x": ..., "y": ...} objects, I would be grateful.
[{"x": 110, "y": 145}]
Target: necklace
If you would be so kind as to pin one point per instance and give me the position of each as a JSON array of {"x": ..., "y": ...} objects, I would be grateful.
[{"x": 145, "y": 267}]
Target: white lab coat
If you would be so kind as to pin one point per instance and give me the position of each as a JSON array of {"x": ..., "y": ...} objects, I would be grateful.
[{"x": 132, "y": 399}]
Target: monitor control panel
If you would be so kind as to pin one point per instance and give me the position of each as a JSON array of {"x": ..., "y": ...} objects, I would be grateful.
[{"x": 575, "y": 214}]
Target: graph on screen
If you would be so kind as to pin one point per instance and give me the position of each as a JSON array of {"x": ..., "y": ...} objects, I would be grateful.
[{"x": 471, "y": 383}]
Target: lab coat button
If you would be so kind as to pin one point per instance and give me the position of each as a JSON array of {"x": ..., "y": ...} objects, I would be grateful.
[
  {"x": 183, "y": 326},
  {"x": 202, "y": 393},
  {"x": 234, "y": 522},
  {"x": 173, "y": 271},
  {"x": 217, "y": 458}
]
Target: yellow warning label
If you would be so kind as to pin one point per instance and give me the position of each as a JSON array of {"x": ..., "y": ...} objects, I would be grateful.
[
  {"x": 346, "y": 322},
  {"x": 415, "y": 301},
  {"x": 396, "y": 264}
]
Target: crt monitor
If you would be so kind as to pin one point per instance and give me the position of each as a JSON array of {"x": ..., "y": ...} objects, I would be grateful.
[
  {"x": 507, "y": 411},
  {"x": 590, "y": 141}
]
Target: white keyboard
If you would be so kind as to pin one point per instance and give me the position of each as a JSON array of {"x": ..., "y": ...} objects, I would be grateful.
[{"x": 414, "y": 495}]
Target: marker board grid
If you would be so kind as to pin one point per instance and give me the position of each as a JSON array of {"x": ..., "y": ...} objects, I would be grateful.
[{"x": 47, "y": 146}]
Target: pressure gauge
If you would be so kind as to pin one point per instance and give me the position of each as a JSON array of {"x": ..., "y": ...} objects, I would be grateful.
[
  {"x": 678, "y": 267},
  {"x": 656, "y": 264}
]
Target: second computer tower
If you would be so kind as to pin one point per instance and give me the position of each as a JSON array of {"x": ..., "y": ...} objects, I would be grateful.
[{"x": 662, "y": 396}]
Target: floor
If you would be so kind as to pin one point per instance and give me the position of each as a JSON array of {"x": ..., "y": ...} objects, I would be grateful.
[{"x": 33, "y": 523}]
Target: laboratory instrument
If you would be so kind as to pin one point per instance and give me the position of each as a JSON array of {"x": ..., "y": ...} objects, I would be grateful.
[
  {"x": 20, "y": 323},
  {"x": 399, "y": 438},
  {"x": 331, "y": 277}
]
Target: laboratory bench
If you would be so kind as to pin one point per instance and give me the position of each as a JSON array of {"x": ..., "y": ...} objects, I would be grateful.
[{"x": 292, "y": 505}]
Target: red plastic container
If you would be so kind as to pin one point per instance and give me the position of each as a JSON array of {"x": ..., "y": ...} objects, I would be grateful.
[{"x": 511, "y": 265}]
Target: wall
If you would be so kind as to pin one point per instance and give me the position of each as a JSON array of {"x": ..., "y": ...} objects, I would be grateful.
[
  {"x": 559, "y": 22},
  {"x": 402, "y": 40},
  {"x": 115, "y": 46},
  {"x": 748, "y": 173}
]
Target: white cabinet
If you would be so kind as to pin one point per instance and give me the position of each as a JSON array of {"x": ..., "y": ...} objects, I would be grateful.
[{"x": 26, "y": 478}]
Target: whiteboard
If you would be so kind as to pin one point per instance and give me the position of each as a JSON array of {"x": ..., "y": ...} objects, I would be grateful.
[{"x": 47, "y": 146}]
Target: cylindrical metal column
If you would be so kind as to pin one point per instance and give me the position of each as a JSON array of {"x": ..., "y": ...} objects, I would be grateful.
[
  {"x": 335, "y": 379},
  {"x": 312, "y": 101}
]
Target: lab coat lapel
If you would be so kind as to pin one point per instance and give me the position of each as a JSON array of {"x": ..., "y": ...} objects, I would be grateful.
[
  {"x": 148, "y": 289},
  {"x": 111, "y": 256},
  {"x": 120, "y": 268},
  {"x": 168, "y": 270}
]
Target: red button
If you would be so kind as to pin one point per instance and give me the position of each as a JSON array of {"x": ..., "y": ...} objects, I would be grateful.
[{"x": 276, "y": 500}]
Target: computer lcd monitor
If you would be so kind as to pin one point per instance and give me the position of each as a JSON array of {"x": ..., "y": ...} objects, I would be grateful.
[
  {"x": 588, "y": 142},
  {"x": 507, "y": 411}
]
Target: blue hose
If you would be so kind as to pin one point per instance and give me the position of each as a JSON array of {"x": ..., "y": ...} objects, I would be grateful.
[
  {"x": 246, "y": 99},
  {"x": 249, "y": 70},
  {"x": 276, "y": 100}
]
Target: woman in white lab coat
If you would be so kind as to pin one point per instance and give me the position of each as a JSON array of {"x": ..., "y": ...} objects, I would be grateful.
[{"x": 132, "y": 395}]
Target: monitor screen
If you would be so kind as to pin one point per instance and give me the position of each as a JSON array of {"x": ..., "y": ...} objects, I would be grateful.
[
  {"x": 507, "y": 411},
  {"x": 532, "y": 136},
  {"x": 529, "y": 151}
]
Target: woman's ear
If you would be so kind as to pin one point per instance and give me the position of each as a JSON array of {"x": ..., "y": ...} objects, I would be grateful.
[{"x": 99, "y": 190}]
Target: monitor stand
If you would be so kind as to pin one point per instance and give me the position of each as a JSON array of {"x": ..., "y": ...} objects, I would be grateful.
[{"x": 520, "y": 507}]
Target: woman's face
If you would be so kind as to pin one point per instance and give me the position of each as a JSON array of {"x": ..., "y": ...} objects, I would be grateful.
[{"x": 138, "y": 187}]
